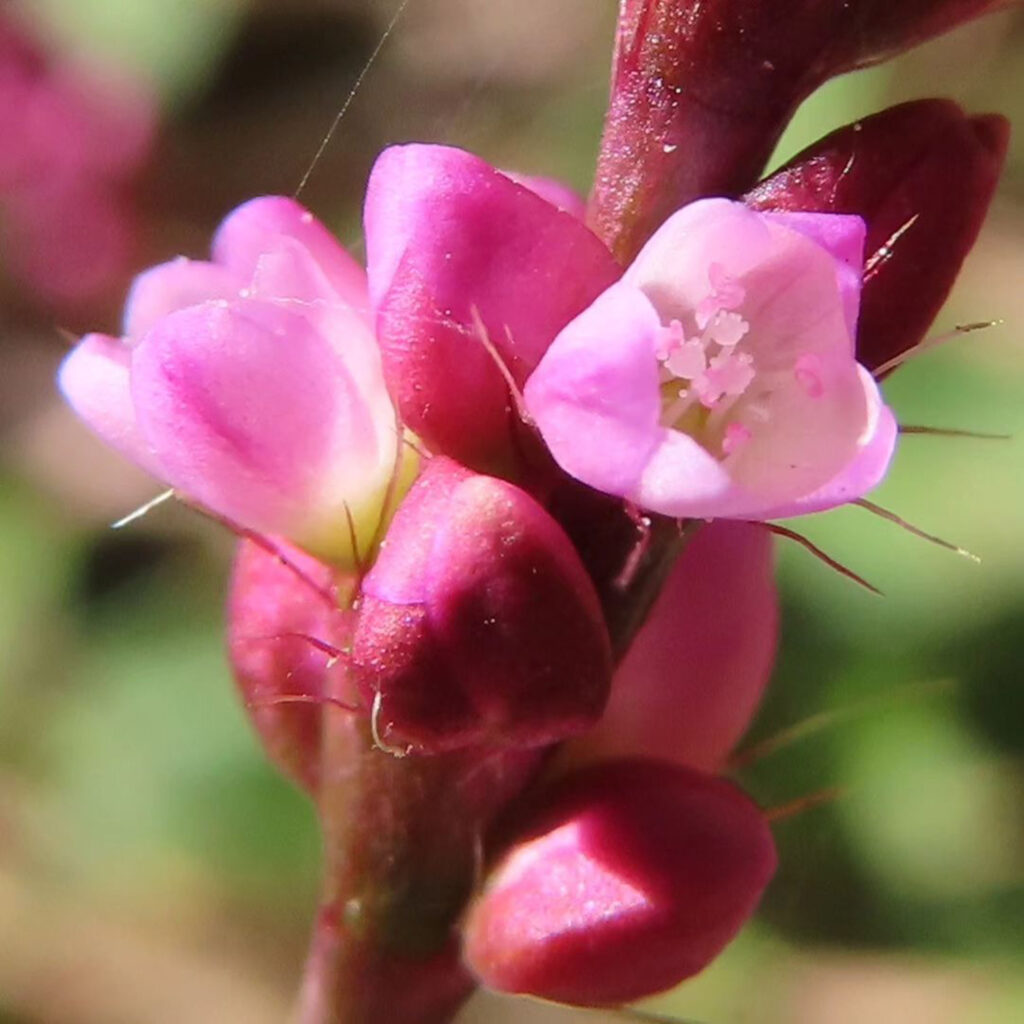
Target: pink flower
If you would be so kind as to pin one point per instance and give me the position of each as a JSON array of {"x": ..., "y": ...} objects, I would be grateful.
[
  {"x": 718, "y": 379},
  {"x": 252, "y": 383},
  {"x": 73, "y": 139}
]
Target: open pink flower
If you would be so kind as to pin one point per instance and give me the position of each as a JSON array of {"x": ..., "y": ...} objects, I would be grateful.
[
  {"x": 718, "y": 378},
  {"x": 252, "y": 383}
]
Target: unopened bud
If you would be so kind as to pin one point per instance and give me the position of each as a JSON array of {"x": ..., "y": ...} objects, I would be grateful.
[
  {"x": 626, "y": 879},
  {"x": 478, "y": 623},
  {"x": 921, "y": 175}
]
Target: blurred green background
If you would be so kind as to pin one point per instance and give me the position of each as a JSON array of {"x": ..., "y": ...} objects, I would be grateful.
[{"x": 154, "y": 869}]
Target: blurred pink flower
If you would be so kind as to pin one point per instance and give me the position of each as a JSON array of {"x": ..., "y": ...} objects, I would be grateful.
[
  {"x": 252, "y": 383},
  {"x": 73, "y": 139},
  {"x": 718, "y": 378}
]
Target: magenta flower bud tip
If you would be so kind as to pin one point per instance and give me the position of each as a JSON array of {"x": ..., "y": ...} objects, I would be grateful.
[
  {"x": 922, "y": 175},
  {"x": 464, "y": 264},
  {"x": 622, "y": 881},
  {"x": 717, "y": 379},
  {"x": 281, "y": 629},
  {"x": 478, "y": 623}
]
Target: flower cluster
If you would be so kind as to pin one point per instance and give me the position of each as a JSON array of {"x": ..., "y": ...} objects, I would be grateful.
[{"x": 463, "y": 473}]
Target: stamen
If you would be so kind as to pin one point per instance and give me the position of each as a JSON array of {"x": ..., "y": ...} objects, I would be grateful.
[
  {"x": 670, "y": 338},
  {"x": 726, "y": 329},
  {"x": 687, "y": 360},
  {"x": 736, "y": 436},
  {"x": 808, "y": 375},
  {"x": 726, "y": 293}
]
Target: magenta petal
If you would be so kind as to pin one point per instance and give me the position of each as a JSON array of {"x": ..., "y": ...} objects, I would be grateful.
[
  {"x": 175, "y": 285},
  {"x": 453, "y": 244},
  {"x": 252, "y": 412},
  {"x": 694, "y": 675},
  {"x": 256, "y": 227},
  {"x": 94, "y": 380},
  {"x": 557, "y": 193},
  {"x": 594, "y": 396}
]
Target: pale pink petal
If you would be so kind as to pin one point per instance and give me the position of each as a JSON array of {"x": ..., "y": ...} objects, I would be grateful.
[
  {"x": 456, "y": 249},
  {"x": 863, "y": 473},
  {"x": 289, "y": 272},
  {"x": 94, "y": 380},
  {"x": 594, "y": 395},
  {"x": 253, "y": 414},
  {"x": 683, "y": 479},
  {"x": 675, "y": 267},
  {"x": 256, "y": 227},
  {"x": 175, "y": 285},
  {"x": 695, "y": 673}
]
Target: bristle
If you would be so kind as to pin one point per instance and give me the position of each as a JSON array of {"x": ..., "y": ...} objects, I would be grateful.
[
  {"x": 813, "y": 548},
  {"x": 892, "y": 517}
]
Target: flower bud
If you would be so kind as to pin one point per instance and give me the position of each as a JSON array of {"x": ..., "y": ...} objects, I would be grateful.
[
  {"x": 282, "y": 626},
  {"x": 922, "y": 175},
  {"x": 619, "y": 882},
  {"x": 468, "y": 268},
  {"x": 702, "y": 92},
  {"x": 693, "y": 677},
  {"x": 478, "y": 624}
]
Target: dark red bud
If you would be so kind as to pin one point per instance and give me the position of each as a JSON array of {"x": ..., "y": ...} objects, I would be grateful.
[
  {"x": 921, "y": 175},
  {"x": 623, "y": 880},
  {"x": 282, "y": 622},
  {"x": 478, "y": 623},
  {"x": 702, "y": 92}
]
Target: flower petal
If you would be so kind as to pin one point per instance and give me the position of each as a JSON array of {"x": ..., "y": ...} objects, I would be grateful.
[
  {"x": 255, "y": 417},
  {"x": 175, "y": 285},
  {"x": 863, "y": 473},
  {"x": 256, "y": 228},
  {"x": 453, "y": 244},
  {"x": 594, "y": 395},
  {"x": 94, "y": 380},
  {"x": 557, "y": 193}
]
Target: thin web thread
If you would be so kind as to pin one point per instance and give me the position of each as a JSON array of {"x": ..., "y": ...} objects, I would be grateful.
[{"x": 339, "y": 117}]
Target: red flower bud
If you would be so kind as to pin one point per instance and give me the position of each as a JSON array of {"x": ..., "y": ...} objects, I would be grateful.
[
  {"x": 702, "y": 92},
  {"x": 478, "y": 623},
  {"x": 278, "y": 614},
  {"x": 628, "y": 878},
  {"x": 921, "y": 175}
]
